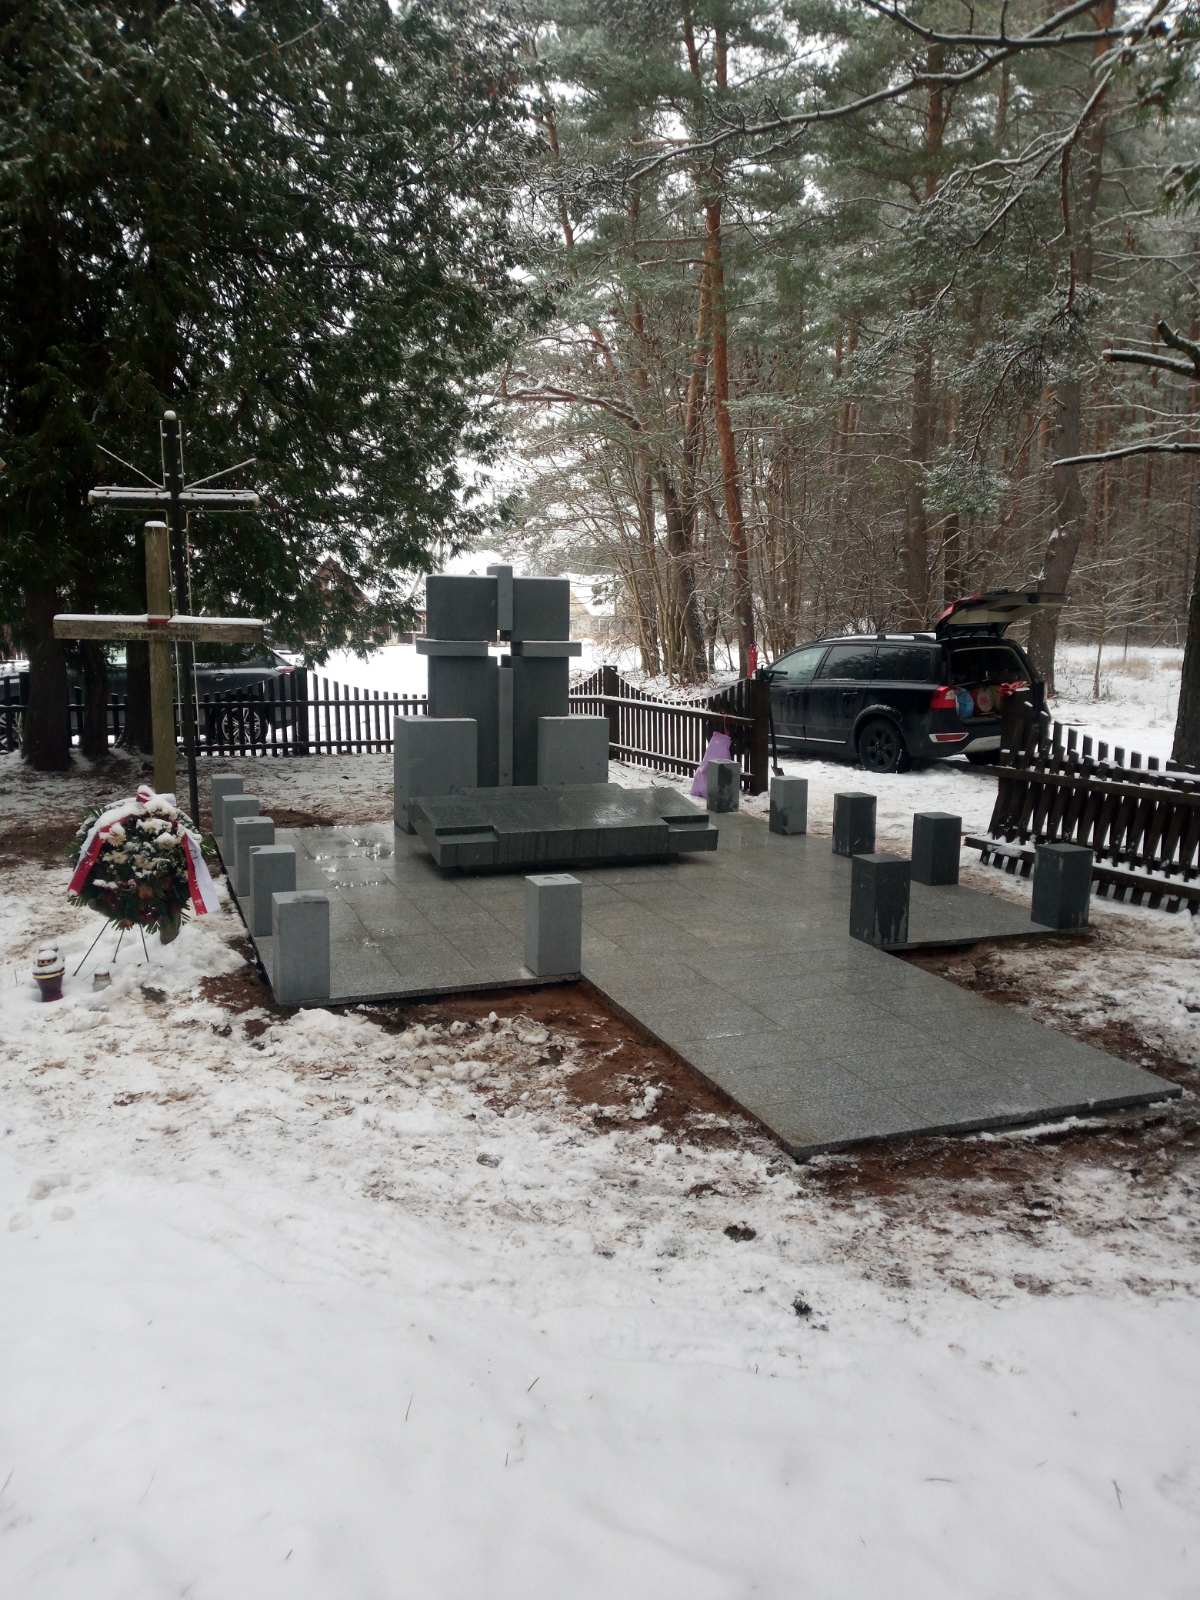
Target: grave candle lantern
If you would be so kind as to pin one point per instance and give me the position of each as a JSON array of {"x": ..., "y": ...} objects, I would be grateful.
[{"x": 48, "y": 971}]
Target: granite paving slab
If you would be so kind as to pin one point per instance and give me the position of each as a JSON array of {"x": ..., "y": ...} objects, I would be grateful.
[{"x": 740, "y": 960}]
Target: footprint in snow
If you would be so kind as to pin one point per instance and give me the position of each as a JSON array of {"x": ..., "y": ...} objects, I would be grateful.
[{"x": 41, "y": 1187}]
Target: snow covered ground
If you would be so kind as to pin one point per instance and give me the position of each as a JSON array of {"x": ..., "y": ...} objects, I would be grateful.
[{"x": 305, "y": 1304}]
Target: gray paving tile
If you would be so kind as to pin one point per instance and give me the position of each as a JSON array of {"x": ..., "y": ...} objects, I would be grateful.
[
  {"x": 705, "y": 1016},
  {"x": 819, "y": 1109},
  {"x": 905, "y": 1071},
  {"x": 357, "y": 970},
  {"x": 657, "y": 974}
]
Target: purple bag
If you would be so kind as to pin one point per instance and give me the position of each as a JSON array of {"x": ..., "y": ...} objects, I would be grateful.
[{"x": 719, "y": 748}]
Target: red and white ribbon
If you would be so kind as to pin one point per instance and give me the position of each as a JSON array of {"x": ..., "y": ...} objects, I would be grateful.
[{"x": 200, "y": 881}]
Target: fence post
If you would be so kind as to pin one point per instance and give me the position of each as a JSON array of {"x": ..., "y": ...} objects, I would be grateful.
[
  {"x": 760, "y": 739},
  {"x": 299, "y": 689},
  {"x": 610, "y": 683}
]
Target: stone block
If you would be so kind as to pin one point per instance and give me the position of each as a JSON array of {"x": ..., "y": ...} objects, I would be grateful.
[
  {"x": 272, "y": 872},
  {"x": 221, "y": 787},
  {"x": 541, "y": 688},
  {"x": 431, "y": 756},
  {"x": 572, "y": 750},
  {"x": 789, "y": 805},
  {"x": 504, "y": 723},
  {"x": 504, "y": 599},
  {"x": 724, "y": 780},
  {"x": 553, "y": 925},
  {"x": 853, "y": 823},
  {"x": 879, "y": 893},
  {"x": 232, "y": 807},
  {"x": 466, "y": 687},
  {"x": 460, "y": 608},
  {"x": 935, "y": 847},
  {"x": 452, "y": 647},
  {"x": 1062, "y": 885},
  {"x": 546, "y": 647},
  {"x": 300, "y": 947},
  {"x": 541, "y": 608},
  {"x": 243, "y": 833}
]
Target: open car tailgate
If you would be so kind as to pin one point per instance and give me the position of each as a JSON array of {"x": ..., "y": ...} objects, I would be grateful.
[{"x": 988, "y": 615}]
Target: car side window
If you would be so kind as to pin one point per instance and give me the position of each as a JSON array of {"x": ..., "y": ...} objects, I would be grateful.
[
  {"x": 855, "y": 661},
  {"x": 903, "y": 663},
  {"x": 798, "y": 668}
]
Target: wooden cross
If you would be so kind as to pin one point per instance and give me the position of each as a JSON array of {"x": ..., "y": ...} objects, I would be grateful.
[
  {"x": 162, "y": 629},
  {"x": 178, "y": 499}
]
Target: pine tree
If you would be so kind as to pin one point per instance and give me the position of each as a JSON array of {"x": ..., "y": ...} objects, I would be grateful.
[{"x": 291, "y": 224}]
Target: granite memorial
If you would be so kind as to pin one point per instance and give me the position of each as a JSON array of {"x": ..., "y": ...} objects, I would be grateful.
[{"x": 499, "y": 776}]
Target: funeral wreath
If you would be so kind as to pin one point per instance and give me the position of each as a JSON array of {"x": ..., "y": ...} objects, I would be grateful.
[{"x": 140, "y": 864}]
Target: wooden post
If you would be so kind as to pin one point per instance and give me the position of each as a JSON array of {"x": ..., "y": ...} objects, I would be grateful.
[
  {"x": 760, "y": 739},
  {"x": 162, "y": 687},
  {"x": 610, "y": 684}
]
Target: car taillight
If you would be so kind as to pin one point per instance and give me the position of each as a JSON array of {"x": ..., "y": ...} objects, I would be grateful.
[{"x": 944, "y": 699}]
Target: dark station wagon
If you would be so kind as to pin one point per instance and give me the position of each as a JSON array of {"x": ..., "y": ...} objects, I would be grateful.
[{"x": 895, "y": 698}]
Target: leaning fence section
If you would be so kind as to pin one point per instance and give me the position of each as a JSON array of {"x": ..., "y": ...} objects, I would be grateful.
[
  {"x": 1057, "y": 742},
  {"x": 671, "y": 735},
  {"x": 1141, "y": 823}
]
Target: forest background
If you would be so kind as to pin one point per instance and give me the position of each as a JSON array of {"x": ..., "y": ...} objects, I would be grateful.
[{"x": 780, "y": 319}]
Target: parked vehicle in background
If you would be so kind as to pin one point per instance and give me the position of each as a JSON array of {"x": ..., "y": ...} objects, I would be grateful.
[
  {"x": 239, "y": 687},
  {"x": 891, "y": 699}
]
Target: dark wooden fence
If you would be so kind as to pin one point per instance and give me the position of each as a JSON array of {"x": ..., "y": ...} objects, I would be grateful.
[
  {"x": 670, "y": 735},
  {"x": 306, "y": 713},
  {"x": 1141, "y": 821}
]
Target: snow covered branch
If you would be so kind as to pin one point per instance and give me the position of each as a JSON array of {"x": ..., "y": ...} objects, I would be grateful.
[{"x": 1151, "y": 448}]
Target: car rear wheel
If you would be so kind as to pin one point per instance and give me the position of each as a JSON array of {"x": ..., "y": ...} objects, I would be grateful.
[
  {"x": 881, "y": 747},
  {"x": 239, "y": 726},
  {"x": 10, "y": 729}
]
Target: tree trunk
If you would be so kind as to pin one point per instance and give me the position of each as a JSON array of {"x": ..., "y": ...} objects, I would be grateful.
[
  {"x": 914, "y": 561},
  {"x": 739, "y": 548},
  {"x": 137, "y": 735},
  {"x": 46, "y": 741},
  {"x": 692, "y": 662},
  {"x": 1069, "y": 503},
  {"x": 93, "y": 734},
  {"x": 1070, "y": 510},
  {"x": 1186, "y": 748},
  {"x": 914, "y": 574}
]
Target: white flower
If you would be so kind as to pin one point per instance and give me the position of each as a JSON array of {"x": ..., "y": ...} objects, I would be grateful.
[
  {"x": 166, "y": 841},
  {"x": 116, "y": 833}
]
